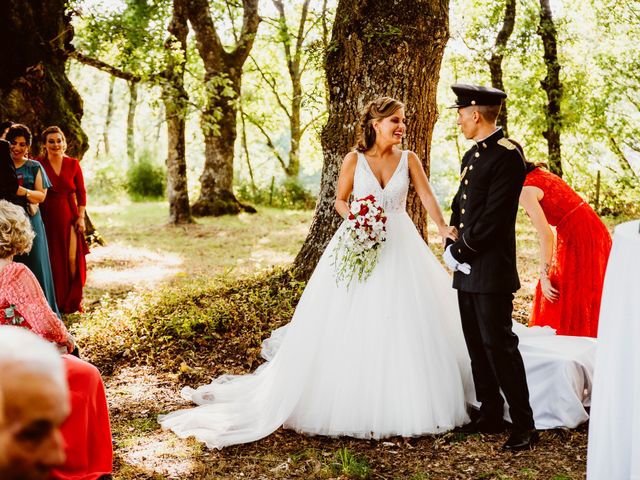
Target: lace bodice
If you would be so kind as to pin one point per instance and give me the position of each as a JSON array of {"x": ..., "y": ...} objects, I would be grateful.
[
  {"x": 393, "y": 196},
  {"x": 559, "y": 199}
]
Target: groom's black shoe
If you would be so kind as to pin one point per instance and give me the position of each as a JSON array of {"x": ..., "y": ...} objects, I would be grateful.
[
  {"x": 483, "y": 425},
  {"x": 521, "y": 440}
]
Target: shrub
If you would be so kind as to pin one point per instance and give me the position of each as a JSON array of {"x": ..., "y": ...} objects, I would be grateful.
[
  {"x": 106, "y": 182},
  {"x": 289, "y": 194},
  {"x": 183, "y": 329},
  {"x": 146, "y": 179}
]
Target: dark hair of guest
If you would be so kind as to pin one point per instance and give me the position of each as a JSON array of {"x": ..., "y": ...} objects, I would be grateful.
[{"x": 18, "y": 130}]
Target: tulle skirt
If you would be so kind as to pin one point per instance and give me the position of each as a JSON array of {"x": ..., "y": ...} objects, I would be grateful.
[{"x": 383, "y": 357}]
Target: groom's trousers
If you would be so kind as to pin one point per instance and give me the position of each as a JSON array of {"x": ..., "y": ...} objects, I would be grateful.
[{"x": 496, "y": 362}]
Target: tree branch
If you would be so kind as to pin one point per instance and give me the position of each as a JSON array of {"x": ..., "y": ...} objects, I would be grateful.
[
  {"x": 105, "y": 67},
  {"x": 311, "y": 122},
  {"x": 273, "y": 86},
  {"x": 267, "y": 137}
]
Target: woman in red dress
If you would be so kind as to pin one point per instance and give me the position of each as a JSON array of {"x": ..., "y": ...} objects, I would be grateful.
[
  {"x": 63, "y": 215},
  {"x": 572, "y": 268},
  {"x": 86, "y": 432}
]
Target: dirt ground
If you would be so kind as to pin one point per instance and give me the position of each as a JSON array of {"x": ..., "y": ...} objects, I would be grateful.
[{"x": 138, "y": 393}]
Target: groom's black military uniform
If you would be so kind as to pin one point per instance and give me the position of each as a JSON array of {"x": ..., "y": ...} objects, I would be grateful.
[{"x": 484, "y": 212}]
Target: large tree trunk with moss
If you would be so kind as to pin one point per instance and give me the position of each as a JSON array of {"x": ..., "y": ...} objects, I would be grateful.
[
  {"x": 552, "y": 86},
  {"x": 34, "y": 88},
  {"x": 376, "y": 50},
  {"x": 497, "y": 56},
  {"x": 175, "y": 100},
  {"x": 223, "y": 75}
]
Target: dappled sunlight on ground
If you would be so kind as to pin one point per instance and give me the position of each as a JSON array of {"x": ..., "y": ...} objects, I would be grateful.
[
  {"x": 116, "y": 265},
  {"x": 138, "y": 394}
]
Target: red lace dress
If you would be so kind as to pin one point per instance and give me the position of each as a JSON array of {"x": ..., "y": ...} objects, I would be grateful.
[
  {"x": 87, "y": 431},
  {"x": 579, "y": 262}
]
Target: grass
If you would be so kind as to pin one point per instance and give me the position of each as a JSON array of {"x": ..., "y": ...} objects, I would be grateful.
[
  {"x": 170, "y": 306},
  {"x": 349, "y": 465}
]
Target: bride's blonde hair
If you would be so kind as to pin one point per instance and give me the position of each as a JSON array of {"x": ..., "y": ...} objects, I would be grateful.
[{"x": 377, "y": 109}]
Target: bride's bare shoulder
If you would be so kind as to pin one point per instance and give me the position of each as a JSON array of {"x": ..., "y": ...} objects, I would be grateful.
[{"x": 350, "y": 160}]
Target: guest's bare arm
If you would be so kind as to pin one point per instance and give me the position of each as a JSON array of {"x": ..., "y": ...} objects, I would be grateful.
[
  {"x": 35, "y": 195},
  {"x": 530, "y": 201}
]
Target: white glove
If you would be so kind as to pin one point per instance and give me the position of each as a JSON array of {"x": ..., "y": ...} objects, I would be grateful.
[
  {"x": 453, "y": 264},
  {"x": 464, "y": 268}
]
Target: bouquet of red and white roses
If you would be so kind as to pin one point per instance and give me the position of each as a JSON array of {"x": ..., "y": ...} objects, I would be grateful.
[{"x": 356, "y": 253}]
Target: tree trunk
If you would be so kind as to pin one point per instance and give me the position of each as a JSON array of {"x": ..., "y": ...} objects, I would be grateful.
[
  {"x": 223, "y": 76},
  {"x": 497, "y": 55},
  {"x": 293, "y": 169},
  {"x": 376, "y": 50},
  {"x": 552, "y": 86},
  {"x": 245, "y": 149},
  {"x": 131, "y": 122},
  {"x": 34, "y": 88},
  {"x": 175, "y": 100},
  {"x": 108, "y": 117},
  {"x": 296, "y": 69}
]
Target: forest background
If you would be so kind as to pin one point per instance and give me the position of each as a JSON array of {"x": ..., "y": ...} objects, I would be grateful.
[
  {"x": 598, "y": 121},
  {"x": 186, "y": 109}
]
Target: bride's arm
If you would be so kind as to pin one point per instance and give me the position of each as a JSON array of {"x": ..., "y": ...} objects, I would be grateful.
[
  {"x": 428, "y": 199},
  {"x": 345, "y": 184}
]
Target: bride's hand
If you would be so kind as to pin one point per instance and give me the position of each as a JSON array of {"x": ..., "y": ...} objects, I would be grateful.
[
  {"x": 548, "y": 290},
  {"x": 448, "y": 232}
]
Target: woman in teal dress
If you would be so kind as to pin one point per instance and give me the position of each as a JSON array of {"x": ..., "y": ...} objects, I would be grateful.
[{"x": 33, "y": 183}]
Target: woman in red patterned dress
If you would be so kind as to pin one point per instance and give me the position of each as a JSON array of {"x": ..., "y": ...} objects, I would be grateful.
[
  {"x": 572, "y": 268},
  {"x": 86, "y": 432},
  {"x": 63, "y": 215}
]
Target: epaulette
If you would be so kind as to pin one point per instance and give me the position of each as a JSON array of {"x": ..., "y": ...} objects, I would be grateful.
[
  {"x": 506, "y": 144},
  {"x": 509, "y": 145}
]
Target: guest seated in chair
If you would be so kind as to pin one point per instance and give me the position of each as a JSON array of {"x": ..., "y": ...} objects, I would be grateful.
[
  {"x": 86, "y": 433},
  {"x": 36, "y": 403}
]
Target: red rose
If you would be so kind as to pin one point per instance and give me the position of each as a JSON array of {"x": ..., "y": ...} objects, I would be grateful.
[
  {"x": 363, "y": 209},
  {"x": 352, "y": 216}
]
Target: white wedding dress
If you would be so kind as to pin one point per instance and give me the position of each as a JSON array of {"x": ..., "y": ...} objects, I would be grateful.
[{"x": 384, "y": 357}]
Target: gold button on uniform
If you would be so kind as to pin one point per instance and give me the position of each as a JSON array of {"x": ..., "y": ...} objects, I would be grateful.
[
  {"x": 477, "y": 154},
  {"x": 464, "y": 195},
  {"x": 461, "y": 225},
  {"x": 466, "y": 182},
  {"x": 471, "y": 167},
  {"x": 462, "y": 211}
]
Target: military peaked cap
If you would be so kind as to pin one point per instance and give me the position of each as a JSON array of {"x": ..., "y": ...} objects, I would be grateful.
[{"x": 468, "y": 95}]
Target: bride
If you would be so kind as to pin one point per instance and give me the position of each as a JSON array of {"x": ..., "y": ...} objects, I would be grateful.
[{"x": 384, "y": 356}]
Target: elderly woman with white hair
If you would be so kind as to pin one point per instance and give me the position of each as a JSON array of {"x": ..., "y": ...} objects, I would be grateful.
[
  {"x": 36, "y": 405},
  {"x": 22, "y": 301},
  {"x": 86, "y": 432}
]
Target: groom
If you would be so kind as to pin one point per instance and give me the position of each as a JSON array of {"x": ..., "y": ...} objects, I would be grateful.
[{"x": 484, "y": 263}]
